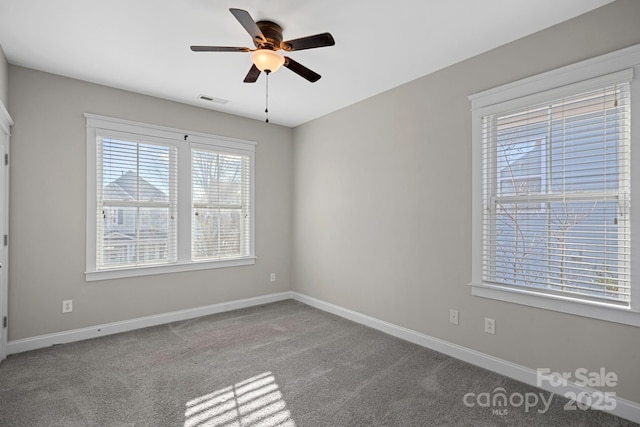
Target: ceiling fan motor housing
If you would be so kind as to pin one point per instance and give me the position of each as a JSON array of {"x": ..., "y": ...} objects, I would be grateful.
[{"x": 272, "y": 32}]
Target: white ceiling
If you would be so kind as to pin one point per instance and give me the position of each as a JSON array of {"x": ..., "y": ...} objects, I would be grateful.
[{"x": 143, "y": 45}]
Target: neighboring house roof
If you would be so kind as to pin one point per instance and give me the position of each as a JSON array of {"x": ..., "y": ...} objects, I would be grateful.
[
  {"x": 114, "y": 192},
  {"x": 116, "y": 236},
  {"x": 145, "y": 234},
  {"x": 127, "y": 187}
]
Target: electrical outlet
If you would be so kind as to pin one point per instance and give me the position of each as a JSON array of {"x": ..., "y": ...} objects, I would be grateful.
[
  {"x": 273, "y": 277},
  {"x": 67, "y": 306},
  {"x": 490, "y": 326},
  {"x": 453, "y": 316}
]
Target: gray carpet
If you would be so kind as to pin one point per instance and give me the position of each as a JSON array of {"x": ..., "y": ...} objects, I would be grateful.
[{"x": 283, "y": 364}]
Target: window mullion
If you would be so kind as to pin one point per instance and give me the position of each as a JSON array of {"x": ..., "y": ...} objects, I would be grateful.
[
  {"x": 218, "y": 235},
  {"x": 184, "y": 204}
]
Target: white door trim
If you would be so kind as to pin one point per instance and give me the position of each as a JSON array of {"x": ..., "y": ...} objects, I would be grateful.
[{"x": 5, "y": 134}]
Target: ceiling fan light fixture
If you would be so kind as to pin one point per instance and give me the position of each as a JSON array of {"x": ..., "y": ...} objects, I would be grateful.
[{"x": 267, "y": 60}]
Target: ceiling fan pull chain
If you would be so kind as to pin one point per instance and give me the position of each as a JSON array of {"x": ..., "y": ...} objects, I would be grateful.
[{"x": 266, "y": 109}]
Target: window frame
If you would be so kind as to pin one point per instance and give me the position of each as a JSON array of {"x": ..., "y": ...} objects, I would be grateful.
[
  {"x": 184, "y": 140},
  {"x": 565, "y": 81}
]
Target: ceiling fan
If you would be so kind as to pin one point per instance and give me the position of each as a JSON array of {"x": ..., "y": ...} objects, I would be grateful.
[{"x": 267, "y": 38}]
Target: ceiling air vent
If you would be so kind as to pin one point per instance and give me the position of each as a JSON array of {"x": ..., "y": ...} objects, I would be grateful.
[{"x": 213, "y": 99}]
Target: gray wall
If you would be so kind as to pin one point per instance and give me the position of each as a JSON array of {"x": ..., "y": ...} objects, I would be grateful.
[
  {"x": 48, "y": 204},
  {"x": 382, "y": 208},
  {"x": 4, "y": 79}
]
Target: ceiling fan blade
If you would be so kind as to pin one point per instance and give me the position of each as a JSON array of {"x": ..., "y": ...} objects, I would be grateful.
[
  {"x": 309, "y": 42},
  {"x": 252, "y": 75},
  {"x": 301, "y": 70},
  {"x": 219, "y": 49},
  {"x": 249, "y": 24}
]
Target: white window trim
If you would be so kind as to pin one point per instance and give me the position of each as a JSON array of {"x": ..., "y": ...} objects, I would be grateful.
[
  {"x": 184, "y": 139},
  {"x": 614, "y": 65}
]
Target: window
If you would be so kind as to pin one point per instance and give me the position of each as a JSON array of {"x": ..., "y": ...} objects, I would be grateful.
[
  {"x": 136, "y": 202},
  {"x": 219, "y": 199},
  {"x": 571, "y": 235},
  {"x": 552, "y": 191},
  {"x": 164, "y": 200}
]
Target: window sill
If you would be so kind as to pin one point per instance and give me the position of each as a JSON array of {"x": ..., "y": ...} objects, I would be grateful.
[
  {"x": 92, "y": 276},
  {"x": 594, "y": 310}
]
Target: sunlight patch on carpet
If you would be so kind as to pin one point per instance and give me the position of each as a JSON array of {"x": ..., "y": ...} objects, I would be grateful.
[{"x": 255, "y": 402}]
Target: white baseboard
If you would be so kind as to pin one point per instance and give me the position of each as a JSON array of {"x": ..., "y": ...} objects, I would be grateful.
[
  {"x": 623, "y": 408},
  {"x": 33, "y": 343}
]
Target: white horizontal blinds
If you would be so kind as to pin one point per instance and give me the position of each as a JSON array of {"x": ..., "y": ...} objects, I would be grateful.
[
  {"x": 220, "y": 193},
  {"x": 556, "y": 196},
  {"x": 136, "y": 201}
]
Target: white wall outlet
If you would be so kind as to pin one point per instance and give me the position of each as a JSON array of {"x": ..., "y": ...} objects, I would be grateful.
[
  {"x": 67, "y": 306},
  {"x": 273, "y": 277},
  {"x": 490, "y": 326},
  {"x": 453, "y": 316}
]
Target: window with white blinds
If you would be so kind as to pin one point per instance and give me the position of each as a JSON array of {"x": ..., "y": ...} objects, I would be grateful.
[
  {"x": 136, "y": 202},
  {"x": 556, "y": 196},
  {"x": 166, "y": 200},
  {"x": 553, "y": 182},
  {"x": 220, "y": 189}
]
